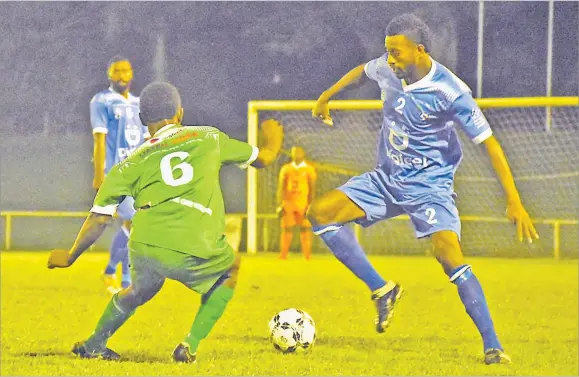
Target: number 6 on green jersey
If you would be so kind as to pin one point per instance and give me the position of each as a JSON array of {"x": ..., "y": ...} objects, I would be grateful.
[
  {"x": 160, "y": 176},
  {"x": 168, "y": 171}
]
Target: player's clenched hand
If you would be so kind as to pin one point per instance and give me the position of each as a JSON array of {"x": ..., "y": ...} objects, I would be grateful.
[
  {"x": 518, "y": 215},
  {"x": 322, "y": 110},
  {"x": 59, "y": 259}
]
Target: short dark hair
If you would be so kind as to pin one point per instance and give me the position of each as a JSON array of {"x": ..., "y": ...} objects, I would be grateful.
[
  {"x": 159, "y": 101},
  {"x": 412, "y": 27},
  {"x": 117, "y": 58}
]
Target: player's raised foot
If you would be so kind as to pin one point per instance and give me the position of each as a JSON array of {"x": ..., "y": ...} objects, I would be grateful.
[
  {"x": 385, "y": 299},
  {"x": 80, "y": 350},
  {"x": 111, "y": 283},
  {"x": 496, "y": 356},
  {"x": 181, "y": 354}
]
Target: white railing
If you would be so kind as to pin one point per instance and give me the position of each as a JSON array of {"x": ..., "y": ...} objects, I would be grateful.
[{"x": 555, "y": 223}]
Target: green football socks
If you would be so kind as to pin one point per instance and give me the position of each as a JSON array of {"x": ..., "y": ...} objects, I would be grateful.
[
  {"x": 211, "y": 310},
  {"x": 111, "y": 320}
]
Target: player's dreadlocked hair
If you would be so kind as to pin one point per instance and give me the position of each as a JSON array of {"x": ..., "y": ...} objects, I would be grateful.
[
  {"x": 412, "y": 28},
  {"x": 159, "y": 101}
]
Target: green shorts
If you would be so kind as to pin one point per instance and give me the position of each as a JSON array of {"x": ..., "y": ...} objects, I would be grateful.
[{"x": 150, "y": 265}]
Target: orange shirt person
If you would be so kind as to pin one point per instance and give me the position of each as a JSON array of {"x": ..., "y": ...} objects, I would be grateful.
[{"x": 296, "y": 189}]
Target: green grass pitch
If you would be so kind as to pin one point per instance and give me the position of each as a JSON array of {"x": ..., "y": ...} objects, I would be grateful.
[{"x": 534, "y": 304}]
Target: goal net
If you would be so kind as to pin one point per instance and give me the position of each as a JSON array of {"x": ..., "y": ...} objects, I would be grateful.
[{"x": 539, "y": 136}]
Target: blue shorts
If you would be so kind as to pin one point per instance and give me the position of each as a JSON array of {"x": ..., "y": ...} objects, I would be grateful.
[
  {"x": 428, "y": 213},
  {"x": 126, "y": 210}
]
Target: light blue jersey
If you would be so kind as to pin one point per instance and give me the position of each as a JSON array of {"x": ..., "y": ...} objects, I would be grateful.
[
  {"x": 419, "y": 149},
  {"x": 118, "y": 118}
]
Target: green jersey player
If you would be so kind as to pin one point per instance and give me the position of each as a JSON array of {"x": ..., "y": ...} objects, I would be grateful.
[{"x": 178, "y": 230}]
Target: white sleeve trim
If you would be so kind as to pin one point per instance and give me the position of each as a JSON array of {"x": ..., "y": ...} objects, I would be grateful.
[
  {"x": 483, "y": 136},
  {"x": 100, "y": 130},
  {"x": 366, "y": 69},
  {"x": 106, "y": 210},
  {"x": 253, "y": 157},
  {"x": 147, "y": 135}
]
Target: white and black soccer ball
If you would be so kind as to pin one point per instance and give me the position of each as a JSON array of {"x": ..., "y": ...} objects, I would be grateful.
[{"x": 292, "y": 330}]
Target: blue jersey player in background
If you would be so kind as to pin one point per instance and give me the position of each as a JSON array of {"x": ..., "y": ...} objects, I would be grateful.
[
  {"x": 117, "y": 131},
  {"x": 418, "y": 154}
]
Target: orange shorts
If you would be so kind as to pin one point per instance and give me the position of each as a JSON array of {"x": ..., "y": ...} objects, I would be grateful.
[{"x": 293, "y": 216}]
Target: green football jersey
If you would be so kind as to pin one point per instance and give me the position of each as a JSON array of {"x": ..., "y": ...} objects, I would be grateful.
[{"x": 174, "y": 179}]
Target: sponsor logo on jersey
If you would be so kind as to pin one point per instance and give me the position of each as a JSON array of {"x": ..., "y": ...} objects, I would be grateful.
[
  {"x": 478, "y": 118},
  {"x": 406, "y": 162},
  {"x": 124, "y": 152},
  {"x": 133, "y": 135},
  {"x": 118, "y": 111},
  {"x": 399, "y": 141},
  {"x": 183, "y": 138}
]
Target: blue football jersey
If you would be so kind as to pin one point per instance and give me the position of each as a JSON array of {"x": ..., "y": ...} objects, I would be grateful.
[
  {"x": 118, "y": 118},
  {"x": 418, "y": 149}
]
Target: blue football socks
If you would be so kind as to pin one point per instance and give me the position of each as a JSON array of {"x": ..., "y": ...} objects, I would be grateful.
[
  {"x": 342, "y": 242},
  {"x": 473, "y": 298}
]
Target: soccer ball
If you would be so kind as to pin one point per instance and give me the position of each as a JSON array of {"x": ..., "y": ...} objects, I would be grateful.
[{"x": 292, "y": 330}]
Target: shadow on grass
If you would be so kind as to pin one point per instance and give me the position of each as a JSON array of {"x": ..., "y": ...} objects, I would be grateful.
[
  {"x": 350, "y": 341},
  {"x": 46, "y": 354},
  {"x": 146, "y": 358},
  {"x": 126, "y": 357},
  {"x": 241, "y": 338}
]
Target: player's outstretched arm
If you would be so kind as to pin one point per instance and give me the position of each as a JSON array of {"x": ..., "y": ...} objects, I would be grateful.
[
  {"x": 91, "y": 230},
  {"x": 321, "y": 109},
  {"x": 99, "y": 155},
  {"x": 515, "y": 210},
  {"x": 271, "y": 140},
  {"x": 99, "y": 124}
]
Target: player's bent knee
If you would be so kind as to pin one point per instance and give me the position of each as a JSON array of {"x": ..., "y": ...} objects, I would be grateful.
[
  {"x": 447, "y": 249},
  {"x": 321, "y": 212},
  {"x": 128, "y": 299},
  {"x": 445, "y": 239},
  {"x": 236, "y": 265},
  {"x": 231, "y": 281},
  {"x": 132, "y": 297},
  {"x": 312, "y": 212},
  {"x": 335, "y": 207}
]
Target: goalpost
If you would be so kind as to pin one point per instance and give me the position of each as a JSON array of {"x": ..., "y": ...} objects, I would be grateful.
[{"x": 539, "y": 135}]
